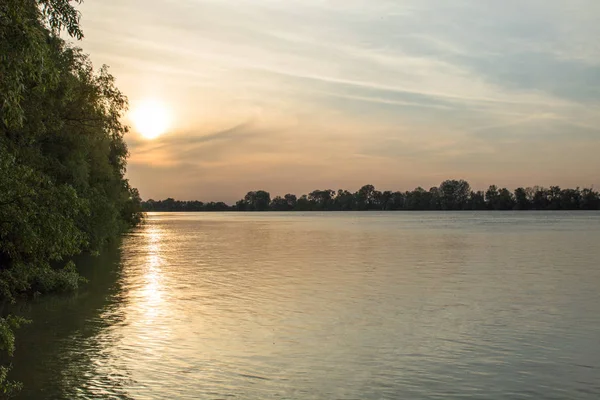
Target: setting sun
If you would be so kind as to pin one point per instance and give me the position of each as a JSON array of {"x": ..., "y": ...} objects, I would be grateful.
[{"x": 151, "y": 118}]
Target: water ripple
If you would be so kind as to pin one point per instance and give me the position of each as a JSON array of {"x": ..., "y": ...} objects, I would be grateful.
[{"x": 346, "y": 306}]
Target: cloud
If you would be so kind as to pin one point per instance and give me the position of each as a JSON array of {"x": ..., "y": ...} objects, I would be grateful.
[
  {"x": 331, "y": 92},
  {"x": 191, "y": 139}
]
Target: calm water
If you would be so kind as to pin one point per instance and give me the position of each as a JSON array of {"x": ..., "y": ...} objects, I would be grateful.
[{"x": 328, "y": 306}]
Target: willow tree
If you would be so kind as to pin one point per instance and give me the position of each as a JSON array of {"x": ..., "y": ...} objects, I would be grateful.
[
  {"x": 62, "y": 156},
  {"x": 24, "y": 28}
]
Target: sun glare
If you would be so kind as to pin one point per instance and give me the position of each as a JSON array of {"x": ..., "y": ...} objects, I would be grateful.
[{"x": 151, "y": 118}]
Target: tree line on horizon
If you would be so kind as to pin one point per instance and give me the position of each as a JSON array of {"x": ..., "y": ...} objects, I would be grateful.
[{"x": 451, "y": 195}]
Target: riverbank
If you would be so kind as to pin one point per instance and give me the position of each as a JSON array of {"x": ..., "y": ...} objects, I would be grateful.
[{"x": 451, "y": 195}]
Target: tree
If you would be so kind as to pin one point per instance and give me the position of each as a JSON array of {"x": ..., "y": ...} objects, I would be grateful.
[
  {"x": 62, "y": 154},
  {"x": 540, "y": 200},
  {"x": 477, "y": 201},
  {"x": 321, "y": 199},
  {"x": 570, "y": 199},
  {"x": 257, "y": 201},
  {"x": 364, "y": 197},
  {"x": 303, "y": 204},
  {"x": 384, "y": 200},
  {"x": 454, "y": 194},
  {"x": 216, "y": 206},
  {"x": 451, "y": 195},
  {"x": 504, "y": 200},
  {"x": 25, "y": 26},
  {"x": 590, "y": 200},
  {"x": 397, "y": 201},
  {"x": 74, "y": 162},
  {"x": 279, "y": 204},
  {"x": 344, "y": 201},
  {"x": 290, "y": 200},
  {"x": 420, "y": 199},
  {"x": 435, "y": 199},
  {"x": 521, "y": 200},
  {"x": 554, "y": 198},
  {"x": 241, "y": 205},
  {"x": 491, "y": 197}
]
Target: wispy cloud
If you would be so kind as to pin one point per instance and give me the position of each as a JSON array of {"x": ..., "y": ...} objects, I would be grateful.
[{"x": 269, "y": 92}]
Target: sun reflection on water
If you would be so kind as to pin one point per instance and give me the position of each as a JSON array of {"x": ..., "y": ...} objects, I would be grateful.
[{"x": 150, "y": 299}]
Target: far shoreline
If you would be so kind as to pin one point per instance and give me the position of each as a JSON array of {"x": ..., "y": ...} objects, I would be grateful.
[{"x": 451, "y": 195}]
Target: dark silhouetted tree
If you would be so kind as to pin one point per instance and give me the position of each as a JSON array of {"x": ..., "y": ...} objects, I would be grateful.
[
  {"x": 521, "y": 200},
  {"x": 321, "y": 199},
  {"x": 291, "y": 200},
  {"x": 454, "y": 194},
  {"x": 257, "y": 201},
  {"x": 344, "y": 201},
  {"x": 554, "y": 197},
  {"x": 541, "y": 198},
  {"x": 590, "y": 200},
  {"x": 451, "y": 195},
  {"x": 279, "y": 204},
  {"x": 570, "y": 199},
  {"x": 303, "y": 204},
  {"x": 477, "y": 201},
  {"x": 504, "y": 200},
  {"x": 491, "y": 197}
]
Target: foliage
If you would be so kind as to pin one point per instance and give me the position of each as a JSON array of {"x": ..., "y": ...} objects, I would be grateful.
[
  {"x": 450, "y": 195},
  {"x": 8, "y": 388},
  {"x": 257, "y": 201},
  {"x": 454, "y": 195},
  {"x": 7, "y": 344},
  {"x": 170, "y": 204},
  {"x": 24, "y": 54},
  {"x": 7, "y": 337},
  {"x": 62, "y": 156}
]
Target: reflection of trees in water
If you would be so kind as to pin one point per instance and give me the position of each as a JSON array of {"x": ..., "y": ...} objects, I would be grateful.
[
  {"x": 89, "y": 367},
  {"x": 68, "y": 351}
]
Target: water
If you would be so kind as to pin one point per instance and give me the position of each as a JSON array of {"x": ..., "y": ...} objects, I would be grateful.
[{"x": 328, "y": 306}]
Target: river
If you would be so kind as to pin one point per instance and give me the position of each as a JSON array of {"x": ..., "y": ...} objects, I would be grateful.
[{"x": 393, "y": 305}]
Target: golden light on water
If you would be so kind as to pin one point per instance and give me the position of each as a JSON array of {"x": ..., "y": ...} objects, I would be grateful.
[
  {"x": 151, "y": 118},
  {"x": 151, "y": 293}
]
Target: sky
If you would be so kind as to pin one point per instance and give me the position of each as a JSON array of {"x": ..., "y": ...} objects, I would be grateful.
[{"x": 292, "y": 96}]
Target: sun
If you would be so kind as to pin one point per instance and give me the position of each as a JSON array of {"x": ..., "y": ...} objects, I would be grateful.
[{"x": 151, "y": 118}]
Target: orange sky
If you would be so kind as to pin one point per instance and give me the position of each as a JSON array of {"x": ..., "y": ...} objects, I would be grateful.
[{"x": 294, "y": 96}]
